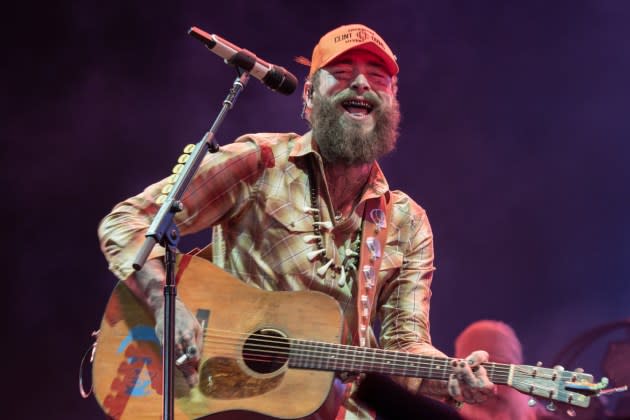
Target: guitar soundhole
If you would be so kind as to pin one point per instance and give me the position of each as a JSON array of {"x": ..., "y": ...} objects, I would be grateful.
[{"x": 266, "y": 350}]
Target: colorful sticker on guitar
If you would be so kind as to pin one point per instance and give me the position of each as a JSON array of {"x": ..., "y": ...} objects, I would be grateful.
[{"x": 140, "y": 371}]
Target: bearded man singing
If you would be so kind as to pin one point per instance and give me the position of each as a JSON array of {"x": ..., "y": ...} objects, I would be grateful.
[{"x": 314, "y": 212}]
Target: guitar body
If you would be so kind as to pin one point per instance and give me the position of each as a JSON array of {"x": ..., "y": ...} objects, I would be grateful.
[{"x": 127, "y": 367}]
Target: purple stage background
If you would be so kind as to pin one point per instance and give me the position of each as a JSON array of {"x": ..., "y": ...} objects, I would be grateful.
[{"x": 515, "y": 139}]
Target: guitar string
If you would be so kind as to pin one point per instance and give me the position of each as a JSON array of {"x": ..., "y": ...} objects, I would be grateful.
[
  {"x": 564, "y": 396},
  {"x": 392, "y": 368},
  {"x": 271, "y": 343},
  {"x": 525, "y": 383},
  {"x": 315, "y": 352},
  {"x": 319, "y": 352},
  {"x": 322, "y": 348}
]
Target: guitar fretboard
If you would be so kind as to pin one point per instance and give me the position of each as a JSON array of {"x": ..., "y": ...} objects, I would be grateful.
[{"x": 305, "y": 354}]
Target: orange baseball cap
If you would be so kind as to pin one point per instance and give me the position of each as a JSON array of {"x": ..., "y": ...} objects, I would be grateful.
[{"x": 347, "y": 37}]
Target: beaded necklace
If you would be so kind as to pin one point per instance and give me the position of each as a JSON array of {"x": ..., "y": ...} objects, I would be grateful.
[{"x": 350, "y": 253}]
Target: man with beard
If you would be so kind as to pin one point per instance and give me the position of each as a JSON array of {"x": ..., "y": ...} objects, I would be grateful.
[{"x": 312, "y": 212}]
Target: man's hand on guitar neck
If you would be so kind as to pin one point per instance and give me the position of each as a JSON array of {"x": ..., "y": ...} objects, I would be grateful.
[
  {"x": 148, "y": 285},
  {"x": 469, "y": 381}
]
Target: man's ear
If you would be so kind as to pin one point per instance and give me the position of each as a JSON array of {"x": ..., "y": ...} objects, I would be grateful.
[{"x": 307, "y": 94}]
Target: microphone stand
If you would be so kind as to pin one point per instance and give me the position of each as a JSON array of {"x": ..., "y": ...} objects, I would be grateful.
[{"x": 163, "y": 231}]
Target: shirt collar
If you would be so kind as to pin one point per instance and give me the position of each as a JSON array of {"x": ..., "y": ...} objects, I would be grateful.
[
  {"x": 377, "y": 184},
  {"x": 303, "y": 146}
]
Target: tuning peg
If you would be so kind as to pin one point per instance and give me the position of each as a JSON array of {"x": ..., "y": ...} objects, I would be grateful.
[
  {"x": 571, "y": 412},
  {"x": 579, "y": 370},
  {"x": 551, "y": 406},
  {"x": 557, "y": 369},
  {"x": 539, "y": 363},
  {"x": 532, "y": 402}
]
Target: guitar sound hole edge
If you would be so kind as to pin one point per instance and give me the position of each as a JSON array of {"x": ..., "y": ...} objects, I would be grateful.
[{"x": 266, "y": 350}]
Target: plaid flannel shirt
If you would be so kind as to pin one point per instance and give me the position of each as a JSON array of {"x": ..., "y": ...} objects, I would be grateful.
[{"x": 254, "y": 193}]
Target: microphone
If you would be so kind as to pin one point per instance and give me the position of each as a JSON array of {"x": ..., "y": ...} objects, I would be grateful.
[{"x": 274, "y": 77}]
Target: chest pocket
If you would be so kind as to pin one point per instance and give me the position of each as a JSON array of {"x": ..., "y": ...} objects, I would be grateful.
[
  {"x": 283, "y": 247},
  {"x": 288, "y": 216}
]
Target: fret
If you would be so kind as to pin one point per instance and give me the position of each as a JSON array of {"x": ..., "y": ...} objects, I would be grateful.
[
  {"x": 316, "y": 361},
  {"x": 305, "y": 350},
  {"x": 295, "y": 356},
  {"x": 342, "y": 361},
  {"x": 389, "y": 360},
  {"x": 387, "y": 366},
  {"x": 382, "y": 361},
  {"x": 431, "y": 362},
  {"x": 372, "y": 367},
  {"x": 447, "y": 369},
  {"x": 318, "y": 349},
  {"x": 331, "y": 356},
  {"x": 328, "y": 356},
  {"x": 337, "y": 358},
  {"x": 438, "y": 368},
  {"x": 394, "y": 363},
  {"x": 310, "y": 354},
  {"x": 323, "y": 351},
  {"x": 405, "y": 363},
  {"x": 353, "y": 352},
  {"x": 361, "y": 366},
  {"x": 412, "y": 365}
]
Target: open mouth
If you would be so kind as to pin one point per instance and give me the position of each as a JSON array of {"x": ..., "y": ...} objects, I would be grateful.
[{"x": 357, "y": 107}]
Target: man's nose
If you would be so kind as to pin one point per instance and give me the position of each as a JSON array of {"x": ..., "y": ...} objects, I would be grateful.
[{"x": 360, "y": 83}]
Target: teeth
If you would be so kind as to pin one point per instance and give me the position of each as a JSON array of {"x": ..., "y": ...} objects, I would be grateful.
[{"x": 360, "y": 104}]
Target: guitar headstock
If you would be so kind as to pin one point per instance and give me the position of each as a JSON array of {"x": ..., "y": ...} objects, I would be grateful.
[{"x": 554, "y": 384}]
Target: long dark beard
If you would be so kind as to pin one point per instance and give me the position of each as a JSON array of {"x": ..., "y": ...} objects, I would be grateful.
[{"x": 345, "y": 141}]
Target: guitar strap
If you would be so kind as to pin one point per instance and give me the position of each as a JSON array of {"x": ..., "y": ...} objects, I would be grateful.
[
  {"x": 373, "y": 238},
  {"x": 376, "y": 216}
]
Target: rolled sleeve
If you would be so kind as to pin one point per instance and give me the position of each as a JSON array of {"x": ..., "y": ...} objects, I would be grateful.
[{"x": 218, "y": 190}]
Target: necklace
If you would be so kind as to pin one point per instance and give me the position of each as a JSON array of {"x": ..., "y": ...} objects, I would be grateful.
[{"x": 350, "y": 251}]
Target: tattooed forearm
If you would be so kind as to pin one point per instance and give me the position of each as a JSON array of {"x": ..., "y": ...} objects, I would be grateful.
[{"x": 148, "y": 284}]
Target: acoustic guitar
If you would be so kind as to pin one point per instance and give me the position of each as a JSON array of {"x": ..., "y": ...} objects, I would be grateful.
[{"x": 264, "y": 353}]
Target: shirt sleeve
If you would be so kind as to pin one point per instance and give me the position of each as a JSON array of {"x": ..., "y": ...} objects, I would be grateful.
[
  {"x": 220, "y": 188},
  {"x": 405, "y": 298}
]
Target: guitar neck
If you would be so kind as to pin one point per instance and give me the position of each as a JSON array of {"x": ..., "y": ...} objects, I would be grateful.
[{"x": 343, "y": 358}]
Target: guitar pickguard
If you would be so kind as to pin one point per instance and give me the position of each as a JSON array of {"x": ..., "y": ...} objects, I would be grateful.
[{"x": 223, "y": 378}]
